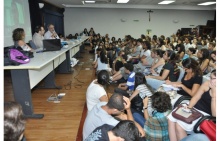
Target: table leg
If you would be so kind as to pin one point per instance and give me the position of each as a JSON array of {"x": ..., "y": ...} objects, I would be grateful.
[
  {"x": 64, "y": 67},
  {"x": 49, "y": 82},
  {"x": 22, "y": 92}
]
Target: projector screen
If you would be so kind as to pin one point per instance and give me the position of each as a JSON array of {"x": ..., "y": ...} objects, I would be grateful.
[{"x": 16, "y": 15}]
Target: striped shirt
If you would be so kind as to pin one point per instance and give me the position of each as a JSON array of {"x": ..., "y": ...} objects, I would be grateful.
[
  {"x": 156, "y": 127},
  {"x": 143, "y": 91},
  {"x": 130, "y": 81}
]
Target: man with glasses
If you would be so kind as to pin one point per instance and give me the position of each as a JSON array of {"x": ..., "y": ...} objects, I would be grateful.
[
  {"x": 51, "y": 33},
  {"x": 38, "y": 36}
]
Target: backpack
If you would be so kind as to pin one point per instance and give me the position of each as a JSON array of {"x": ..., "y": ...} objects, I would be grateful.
[{"x": 14, "y": 57}]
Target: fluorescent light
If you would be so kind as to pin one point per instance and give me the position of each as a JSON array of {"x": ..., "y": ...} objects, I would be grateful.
[
  {"x": 207, "y": 3},
  {"x": 166, "y": 2},
  {"x": 122, "y": 1},
  {"x": 89, "y": 1}
]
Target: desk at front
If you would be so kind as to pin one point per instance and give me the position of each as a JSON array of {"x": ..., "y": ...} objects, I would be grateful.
[{"x": 26, "y": 76}]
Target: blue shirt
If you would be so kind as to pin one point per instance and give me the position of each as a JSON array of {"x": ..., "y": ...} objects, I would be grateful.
[{"x": 130, "y": 81}]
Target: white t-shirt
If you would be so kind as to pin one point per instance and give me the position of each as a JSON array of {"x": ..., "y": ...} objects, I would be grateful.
[
  {"x": 97, "y": 117},
  {"x": 48, "y": 34},
  {"x": 101, "y": 66},
  {"x": 94, "y": 92}
]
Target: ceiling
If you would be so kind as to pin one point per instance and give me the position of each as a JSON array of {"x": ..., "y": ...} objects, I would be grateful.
[{"x": 139, "y": 4}]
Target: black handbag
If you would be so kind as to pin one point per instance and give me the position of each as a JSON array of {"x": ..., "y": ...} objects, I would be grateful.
[
  {"x": 137, "y": 103},
  {"x": 26, "y": 53}
]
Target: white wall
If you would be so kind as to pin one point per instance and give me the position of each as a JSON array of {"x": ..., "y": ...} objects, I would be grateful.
[{"x": 109, "y": 21}]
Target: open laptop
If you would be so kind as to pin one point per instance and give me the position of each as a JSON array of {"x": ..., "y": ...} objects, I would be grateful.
[{"x": 51, "y": 45}]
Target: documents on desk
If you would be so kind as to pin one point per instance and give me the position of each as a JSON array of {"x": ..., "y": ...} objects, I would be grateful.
[{"x": 169, "y": 87}]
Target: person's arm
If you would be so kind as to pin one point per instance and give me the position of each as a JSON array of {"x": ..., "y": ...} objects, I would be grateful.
[
  {"x": 136, "y": 92},
  {"x": 213, "y": 101},
  {"x": 145, "y": 103},
  {"x": 163, "y": 77},
  {"x": 96, "y": 64},
  {"x": 103, "y": 98},
  {"x": 204, "y": 65},
  {"x": 181, "y": 55},
  {"x": 127, "y": 105},
  {"x": 192, "y": 91},
  {"x": 204, "y": 87},
  {"x": 123, "y": 86},
  {"x": 159, "y": 63}
]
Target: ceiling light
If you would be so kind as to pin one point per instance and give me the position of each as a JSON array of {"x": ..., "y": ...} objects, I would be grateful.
[
  {"x": 89, "y": 1},
  {"x": 207, "y": 3},
  {"x": 122, "y": 1},
  {"x": 166, "y": 2}
]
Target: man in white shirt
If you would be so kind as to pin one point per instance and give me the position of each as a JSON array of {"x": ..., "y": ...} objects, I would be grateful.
[
  {"x": 51, "y": 33},
  {"x": 187, "y": 43},
  {"x": 38, "y": 36}
]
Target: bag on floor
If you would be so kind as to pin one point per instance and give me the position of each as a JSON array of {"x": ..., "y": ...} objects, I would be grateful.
[{"x": 209, "y": 128}]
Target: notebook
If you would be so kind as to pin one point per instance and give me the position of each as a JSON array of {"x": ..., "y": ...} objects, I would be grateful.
[{"x": 51, "y": 45}]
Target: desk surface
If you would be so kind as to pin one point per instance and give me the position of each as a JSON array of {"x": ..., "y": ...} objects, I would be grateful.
[{"x": 42, "y": 59}]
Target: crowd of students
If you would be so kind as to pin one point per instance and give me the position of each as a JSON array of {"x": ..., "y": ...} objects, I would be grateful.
[{"x": 139, "y": 67}]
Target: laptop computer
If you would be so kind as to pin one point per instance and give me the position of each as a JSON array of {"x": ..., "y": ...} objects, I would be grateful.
[{"x": 51, "y": 45}]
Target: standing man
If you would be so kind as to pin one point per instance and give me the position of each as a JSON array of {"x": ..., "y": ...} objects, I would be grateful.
[
  {"x": 51, "y": 33},
  {"x": 38, "y": 36}
]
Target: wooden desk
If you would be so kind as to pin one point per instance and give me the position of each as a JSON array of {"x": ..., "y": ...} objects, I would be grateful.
[{"x": 26, "y": 76}]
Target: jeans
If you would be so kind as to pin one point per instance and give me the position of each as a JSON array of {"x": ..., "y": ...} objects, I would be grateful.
[
  {"x": 196, "y": 137},
  {"x": 139, "y": 119}
]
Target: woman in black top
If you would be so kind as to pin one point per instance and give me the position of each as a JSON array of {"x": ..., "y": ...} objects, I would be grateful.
[
  {"x": 204, "y": 100},
  {"x": 191, "y": 80}
]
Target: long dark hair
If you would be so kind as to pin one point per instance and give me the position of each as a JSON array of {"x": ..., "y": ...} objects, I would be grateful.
[
  {"x": 193, "y": 64},
  {"x": 205, "y": 55},
  {"x": 103, "y": 57},
  {"x": 139, "y": 79}
]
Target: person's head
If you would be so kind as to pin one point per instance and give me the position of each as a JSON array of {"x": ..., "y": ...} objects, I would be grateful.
[
  {"x": 128, "y": 67},
  {"x": 213, "y": 56},
  {"x": 14, "y": 122},
  {"x": 213, "y": 77},
  {"x": 126, "y": 130},
  {"x": 139, "y": 41},
  {"x": 146, "y": 45},
  {"x": 116, "y": 104},
  {"x": 51, "y": 28},
  {"x": 191, "y": 51},
  {"x": 18, "y": 34},
  {"x": 103, "y": 77},
  {"x": 139, "y": 79},
  {"x": 40, "y": 30},
  {"x": 211, "y": 46},
  {"x": 103, "y": 57},
  {"x": 180, "y": 48},
  {"x": 187, "y": 40},
  {"x": 85, "y": 30},
  {"x": 161, "y": 102},
  {"x": 190, "y": 65},
  {"x": 203, "y": 54},
  {"x": 169, "y": 55}
]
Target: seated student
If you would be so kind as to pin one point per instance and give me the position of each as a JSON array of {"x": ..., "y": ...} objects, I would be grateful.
[
  {"x": 85, "y": 32},
  {"x": 145, "y": 58},
  {"x": 140, "y": 92},
  {"x": 129, "y": 85},
  {"x": 204, "y": 100},
  {"x": 38, "y": 36},
  {"x": 169, "y": 71},
  {"x": 118, "y": 62},
  {"x": 14, "y": 122},
  {"x": 125, "y": 130},
  {"x": 158, "y": 63},
  {"x": 155, "y": 126},
  {"x": 95, "y": 92},
  {"x": 191, "y": 80},
  {"x": 191, "y": 52},
  {"x": 180, "y": 51},
  {"x": 212, "y": 62},
  {"x": 203, "y": 57},
  {"x": 18, "y": 36},
  {"x": 103, "y": 113},
  {"x": 102, "y": 62},
  {"x": 135, "y": 54}
]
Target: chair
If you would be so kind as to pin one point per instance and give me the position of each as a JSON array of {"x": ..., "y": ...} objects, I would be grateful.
[{"x": 32, "y": 44}]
